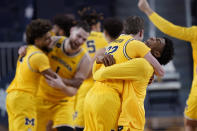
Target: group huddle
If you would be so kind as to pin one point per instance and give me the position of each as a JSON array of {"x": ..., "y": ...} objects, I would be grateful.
[{"x": 73, "y": 77}]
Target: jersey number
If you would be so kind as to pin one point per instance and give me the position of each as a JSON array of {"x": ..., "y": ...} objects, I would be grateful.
[
  {"x": 91, "y": 46},
  {"x": 111, "y": 49}
]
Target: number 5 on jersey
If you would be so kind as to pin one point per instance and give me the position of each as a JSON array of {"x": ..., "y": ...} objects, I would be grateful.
[{"x": 91, "y": 46}]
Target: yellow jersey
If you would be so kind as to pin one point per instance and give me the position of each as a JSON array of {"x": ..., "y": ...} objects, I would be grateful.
[
  {"x": 183, "y": 33},
  {"x": 63, "y": 64},
  {"x": 94, "y": 42},
  {"x": 28, "y": 70},
  {"x": 123, "y": 49},
  {"x": 137, "y": 73}
]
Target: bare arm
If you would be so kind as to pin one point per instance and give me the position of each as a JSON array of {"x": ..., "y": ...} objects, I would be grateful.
[
  {"x": 81, "y": 74},
  {"x": 159, "y": 71},
  {"x": 55, "y": 81}
]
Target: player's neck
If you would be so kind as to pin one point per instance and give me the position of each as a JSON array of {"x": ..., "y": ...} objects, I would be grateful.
[{"x": 68, "y": 50}]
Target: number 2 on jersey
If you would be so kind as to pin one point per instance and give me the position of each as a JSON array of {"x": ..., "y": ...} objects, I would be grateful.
[
  {"x": 91, "y": 46},
  {"x": 111, "y": 49}
]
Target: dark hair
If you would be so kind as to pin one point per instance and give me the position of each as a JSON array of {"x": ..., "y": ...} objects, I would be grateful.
[
  {"x": 167, "y": 53},
  {"x": 65, "y": 22},
  {"x": 90, "y": 15},
  {"x": 83, "y": 25},
  {"x": 133, "y": 24},
  {"x": 36, "y": 29},
  {"x": 113, "y": 26}
]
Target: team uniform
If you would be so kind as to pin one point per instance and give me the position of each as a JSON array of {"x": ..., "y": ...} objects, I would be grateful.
[
  {"x": 94, "y": 42},
  {"x": 53, "y": 104},
  {"x": 102, "y": 103},
  {"x": 137, "y": 72},
  {"x": 187, "y": 34},
  {"x": 21, "y": 100}
]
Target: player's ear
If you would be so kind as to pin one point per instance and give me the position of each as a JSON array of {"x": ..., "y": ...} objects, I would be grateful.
[
  {"x": 141, "y": 33},
  {"x": 157, "y": 54}
]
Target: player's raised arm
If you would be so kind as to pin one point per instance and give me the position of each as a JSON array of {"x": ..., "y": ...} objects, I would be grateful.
[
  {"x": 144, "y": 7},
  {"x": 183, "y": 33}
]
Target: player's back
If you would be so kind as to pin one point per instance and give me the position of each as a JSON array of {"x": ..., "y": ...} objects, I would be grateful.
[
  {"x": 116, "y": 48},
  {"x": 133, "y": 96},
  {"x": 26, "y": 77},
  {"x": 94, "y": 42}
]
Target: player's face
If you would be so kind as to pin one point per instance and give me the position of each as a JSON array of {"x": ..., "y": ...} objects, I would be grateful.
[
  {"x": 156, "y": 43},
  {"x": 77, "y": 37},
  {"x": 44, "y": 42}
]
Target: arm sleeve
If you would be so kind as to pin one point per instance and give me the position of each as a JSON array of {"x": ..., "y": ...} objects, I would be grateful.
[
  {"x": 183, "y": 33},
  {"x": 136, "y": 49},
  {"x": 135, "y": 69},
  {"x": 39, "y": 62}
]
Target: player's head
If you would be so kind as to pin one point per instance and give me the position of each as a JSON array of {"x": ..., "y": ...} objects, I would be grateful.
[
  {"x": 92, "y": 17},
  {"x": 37, "y": 33},
  {"x": 112, "y": 28},
  {"x": 63, "y": 24},
  {"x": 161, "y": 48},
  {"x": 134, "y": 25},
  {"x": 79, "y": 34}
]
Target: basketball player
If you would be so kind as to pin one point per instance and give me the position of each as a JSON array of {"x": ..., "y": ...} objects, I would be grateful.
[
  {"x": 183, "y": 33},
  {"x": 71, "y": 62},
  {"x": 94, "y": 42},
  {"x": 20, "y": 101},
  {"x": 137, "y": 73},
  {"x": 124, "y": 47}
]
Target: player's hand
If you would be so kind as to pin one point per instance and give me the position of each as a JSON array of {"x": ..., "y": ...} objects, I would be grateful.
[
  {"x": 160, "y": 73},
  {"x": 22, "y": 50},
  {"x": 144, "y": 7},
  {"x": 55, "y": 82},
  {"x": 49, "y": 126},
  {"x": 151, "y": 80},
  {"x": 107, "y": 60}
]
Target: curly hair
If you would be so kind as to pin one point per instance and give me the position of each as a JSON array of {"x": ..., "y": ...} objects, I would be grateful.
[
  {"x": 113, "y": 26},
  {"x": 36, "y": 29},
  {"x": 90, "y": 15},
  {"x": 167, "y": 53},
  {"x": 65, "y": 22},
  {"x": 133, "y": 24}
]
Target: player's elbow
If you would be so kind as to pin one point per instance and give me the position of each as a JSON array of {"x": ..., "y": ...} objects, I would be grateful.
[{"x": 72, "y": 92}]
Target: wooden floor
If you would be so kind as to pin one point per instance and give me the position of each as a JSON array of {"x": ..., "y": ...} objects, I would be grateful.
[{"x": 164, "y": 124}]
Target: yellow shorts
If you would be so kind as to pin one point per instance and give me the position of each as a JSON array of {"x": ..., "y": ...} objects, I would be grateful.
[
  {"x": 121, "y": 128},
  {"x": 101, "y": 108},
  {"x": 60, "y": 113},
  {"x": 21, "y": 111},
  {"x": 79, "y": 103},
  {"x": 191, "y": 108}
]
